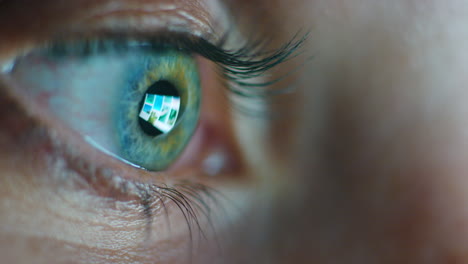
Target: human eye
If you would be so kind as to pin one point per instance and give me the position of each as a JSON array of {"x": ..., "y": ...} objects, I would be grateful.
[
  {"x": 138, "y": 117},
  {"x": 136, "y": 102}
]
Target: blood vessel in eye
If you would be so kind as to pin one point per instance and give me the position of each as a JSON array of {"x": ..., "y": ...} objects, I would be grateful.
[{"x": 159, "y": 108}]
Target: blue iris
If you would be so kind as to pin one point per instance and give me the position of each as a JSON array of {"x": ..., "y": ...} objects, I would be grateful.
[
  {"x": 166, "y": 68},
  {"x": 103, "y": 94}
]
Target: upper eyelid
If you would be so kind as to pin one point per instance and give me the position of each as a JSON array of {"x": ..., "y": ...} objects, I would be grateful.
[
  {"x": 241, "y": 61},
  {"x": 40, "y": 25},
  {"x": 170, "y": 17}
]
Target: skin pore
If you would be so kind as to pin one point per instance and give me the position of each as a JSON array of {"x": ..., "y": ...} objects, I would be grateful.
[{"x": 366, "y": 164}]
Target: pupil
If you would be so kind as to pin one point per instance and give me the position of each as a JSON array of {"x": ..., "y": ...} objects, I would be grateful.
[{"x": 159, "y": 108}]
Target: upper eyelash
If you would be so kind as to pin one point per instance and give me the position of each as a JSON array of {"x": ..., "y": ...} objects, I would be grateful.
[
  {"x": 239, "y": 66},
  {"x": 250, "y": 61}
]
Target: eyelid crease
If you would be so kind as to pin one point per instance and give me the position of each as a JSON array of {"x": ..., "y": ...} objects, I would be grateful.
[
  {"x": 180, "y": 15},
  {"x": 142, "y": 20},
  {"x": 48, "y": 19}
]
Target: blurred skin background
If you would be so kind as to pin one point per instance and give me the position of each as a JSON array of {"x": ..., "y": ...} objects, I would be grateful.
[{"x": 365, "y": 163}]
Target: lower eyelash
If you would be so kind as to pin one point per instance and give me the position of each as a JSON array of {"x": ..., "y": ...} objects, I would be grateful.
[{"x": 192, "y": 199}]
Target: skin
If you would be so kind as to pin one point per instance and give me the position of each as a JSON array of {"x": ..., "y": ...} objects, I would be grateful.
[{"x": 371, "y": 170}]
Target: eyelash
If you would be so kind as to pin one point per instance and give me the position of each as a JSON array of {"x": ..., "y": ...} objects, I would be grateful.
[
  {"x": 236, "y": 67},
  {"x": 189, "y": 197}
]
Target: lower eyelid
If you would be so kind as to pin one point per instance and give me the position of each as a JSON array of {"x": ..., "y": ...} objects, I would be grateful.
[{"x": 68, "y": 173}]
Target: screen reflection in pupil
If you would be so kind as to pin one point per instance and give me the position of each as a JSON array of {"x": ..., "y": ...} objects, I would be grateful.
[{"x": 159, "y": 108}]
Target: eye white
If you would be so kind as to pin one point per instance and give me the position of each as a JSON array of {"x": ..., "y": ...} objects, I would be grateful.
[{"x": 7, "y": 67}]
